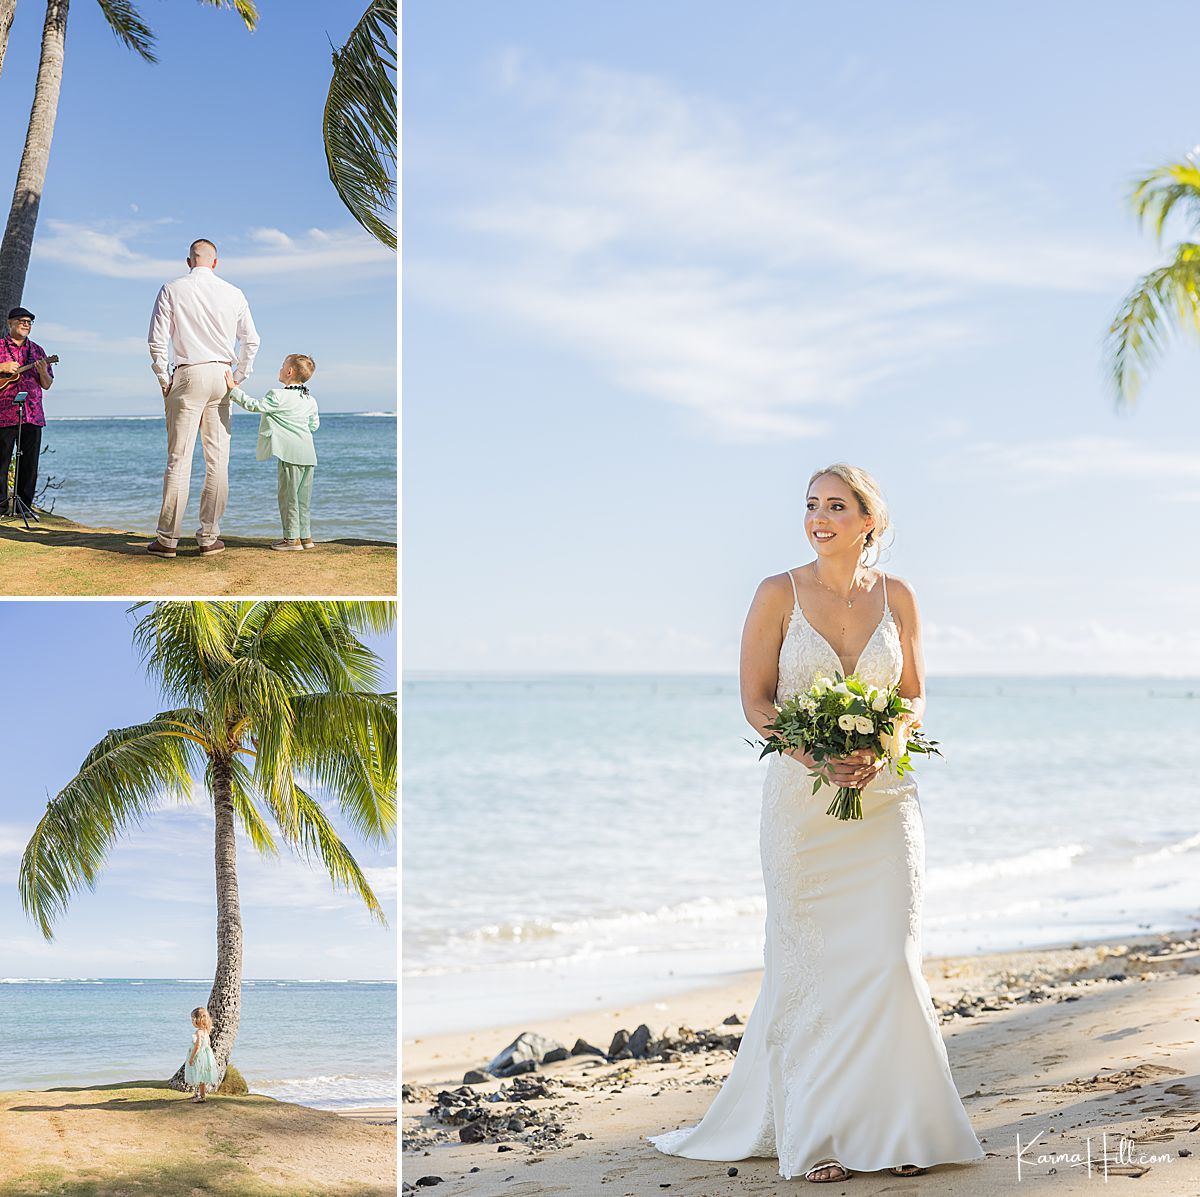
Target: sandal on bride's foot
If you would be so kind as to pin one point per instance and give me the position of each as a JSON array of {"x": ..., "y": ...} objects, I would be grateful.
[
  {"x": 907, "y": 1170},
  {"x": 827, "y": 1166}
]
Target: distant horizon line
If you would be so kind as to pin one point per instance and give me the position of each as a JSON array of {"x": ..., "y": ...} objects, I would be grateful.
[
  {"x": 141, "y": 415},
  {"x": 423, "y": 675},
  {"x": 206, "y": 980}
]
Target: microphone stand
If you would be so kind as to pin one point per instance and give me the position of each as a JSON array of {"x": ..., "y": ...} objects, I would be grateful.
[{"x": 18, "y": 505}]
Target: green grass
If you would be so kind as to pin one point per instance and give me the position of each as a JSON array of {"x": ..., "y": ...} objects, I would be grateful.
[{"x": 213, "y": 1176}]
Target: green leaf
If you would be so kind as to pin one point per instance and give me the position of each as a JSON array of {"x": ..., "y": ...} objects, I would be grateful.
[{"x": 360, "y": 121}]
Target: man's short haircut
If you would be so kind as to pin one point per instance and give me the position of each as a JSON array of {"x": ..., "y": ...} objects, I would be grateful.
[
  {"x": 304, "y": 366},
  {"x": 201, "y": 250}
]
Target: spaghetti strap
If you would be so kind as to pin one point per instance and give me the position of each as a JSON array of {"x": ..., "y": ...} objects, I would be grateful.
[
  {"x": 883, "y": 576},
  {"x": 792, "y": 579}
]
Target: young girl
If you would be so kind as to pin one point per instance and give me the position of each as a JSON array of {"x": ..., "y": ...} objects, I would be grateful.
[{"x": 201, "y": 1067}]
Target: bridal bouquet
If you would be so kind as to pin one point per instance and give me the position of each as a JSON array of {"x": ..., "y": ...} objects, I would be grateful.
[{"x": 838, "y": 716}]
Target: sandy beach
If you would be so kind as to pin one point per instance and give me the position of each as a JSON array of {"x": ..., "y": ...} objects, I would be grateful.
[
  {"x": 119, "y": 1140},
  {"x": 1059, "y": 1046},
  {"x": 57, "y": 556}
]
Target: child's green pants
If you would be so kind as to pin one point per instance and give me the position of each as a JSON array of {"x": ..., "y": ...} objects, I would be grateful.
[{"x": 295, "y": 495}]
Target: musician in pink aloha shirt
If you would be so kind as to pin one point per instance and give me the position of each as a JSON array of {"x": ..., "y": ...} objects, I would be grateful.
[{"x": 17, "y": 349}]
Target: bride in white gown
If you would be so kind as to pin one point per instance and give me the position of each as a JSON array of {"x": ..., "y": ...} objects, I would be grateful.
[{"x": 842, "y": 1065}]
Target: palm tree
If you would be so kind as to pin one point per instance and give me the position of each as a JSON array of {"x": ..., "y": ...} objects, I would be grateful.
[
  {"x": 1168, "y": 298},
  {"x": 7, "y": 9},
  {"x": 360, "y": 121},
  {"x": 125, "y": 21},
  {"x": 268, "y": 694}
]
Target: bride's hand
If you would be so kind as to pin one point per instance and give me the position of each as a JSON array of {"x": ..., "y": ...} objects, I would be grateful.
[{"x": 853, "y": 771}]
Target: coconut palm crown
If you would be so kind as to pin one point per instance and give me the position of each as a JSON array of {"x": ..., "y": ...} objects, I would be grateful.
[
  {"x": 273, "y": 701},
  {"x": 1167, "y": 300},
  {"x": 360, "y": 121}
]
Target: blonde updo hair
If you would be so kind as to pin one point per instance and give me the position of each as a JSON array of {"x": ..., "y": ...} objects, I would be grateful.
[
  {"x": 202, "y": 1019},
  {"x": 870, "y": 500}
]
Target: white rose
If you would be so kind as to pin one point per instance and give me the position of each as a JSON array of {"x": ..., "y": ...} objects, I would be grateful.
[
  {"x": 841, "y": 688},
  {"x": 879, "y": 700},
  {"x": 864, "y": 725},
  {"x": 822, "y": 683},
  {"x": 847, "y": 722}
]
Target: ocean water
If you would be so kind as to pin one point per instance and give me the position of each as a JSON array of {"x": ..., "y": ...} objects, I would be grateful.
[
  {"x": 326, "y": 1044},
  {"x": 111, "y": 470},
  {"x": 595, "y": 839}
]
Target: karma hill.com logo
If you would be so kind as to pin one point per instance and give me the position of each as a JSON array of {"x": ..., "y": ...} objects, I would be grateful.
[{"x": 1110, "y": 1155}]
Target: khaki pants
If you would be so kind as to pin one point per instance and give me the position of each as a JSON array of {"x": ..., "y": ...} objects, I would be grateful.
[{"x": 196, "y": 403}]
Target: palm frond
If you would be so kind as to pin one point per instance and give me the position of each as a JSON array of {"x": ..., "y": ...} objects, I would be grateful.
[
  {"x": 183, "y": 645},
  {"x": 246, "y": 9},
  {"x": 126, "y": 23},
  {"x": 313, "y": 644},
  {"x": 314, "y": 835},
  {"x": 347, "y": 745},
  {"x": 1157, "y": 195},
  {"x": 246, "y": 809},
  {"x": 1163, "y": 301},
  {"x": 360, "y": 121},
  {"x": 116, "y": 785}
]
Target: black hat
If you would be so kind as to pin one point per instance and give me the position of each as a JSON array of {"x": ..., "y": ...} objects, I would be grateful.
[{"x": 17, "y": 313}]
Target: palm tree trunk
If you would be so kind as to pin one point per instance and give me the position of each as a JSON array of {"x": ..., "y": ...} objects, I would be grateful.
[
  {"x": 225, "y": 1001},
  {"x": 31, "y": 176},
  {"x": 7, "y": 8}
]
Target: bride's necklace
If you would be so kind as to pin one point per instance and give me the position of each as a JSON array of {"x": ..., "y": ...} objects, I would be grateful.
[{"x": 825, "y": 586}]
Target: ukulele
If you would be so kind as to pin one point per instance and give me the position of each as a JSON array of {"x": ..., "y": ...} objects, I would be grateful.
[{"x": 11, "y": 380}]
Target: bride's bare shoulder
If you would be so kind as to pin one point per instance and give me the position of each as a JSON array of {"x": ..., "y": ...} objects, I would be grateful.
[
  {"x": 774, "y": 592},
  {"x": 900, "y": 593}
]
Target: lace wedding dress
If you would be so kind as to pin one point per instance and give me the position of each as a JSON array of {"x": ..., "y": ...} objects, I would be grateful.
[{"x": 841, "y": 1056}]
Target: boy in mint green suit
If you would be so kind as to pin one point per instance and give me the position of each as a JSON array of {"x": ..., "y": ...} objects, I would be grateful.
[{"x": 289, "y": 418}]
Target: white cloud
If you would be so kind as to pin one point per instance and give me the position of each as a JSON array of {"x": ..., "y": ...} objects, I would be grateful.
[
  {"x": 274, "y": 237},
  {"x": 1102, "y": 459},
  {"x": 1089, "y": 647},
  {"x": 749, "y": 267},
  {"x": 88, "y": 339},
  {"x": 113, "y": 253}
]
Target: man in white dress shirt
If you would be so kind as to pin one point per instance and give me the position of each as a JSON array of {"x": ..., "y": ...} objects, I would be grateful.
[{"x": 198, "y": 316}]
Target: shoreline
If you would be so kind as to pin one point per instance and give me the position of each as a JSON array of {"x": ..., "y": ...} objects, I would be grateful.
[
  {"x": 57, "y": 556},
  {"x": 1075, "y": 1039},
  {"x": 718, "y": 980}
]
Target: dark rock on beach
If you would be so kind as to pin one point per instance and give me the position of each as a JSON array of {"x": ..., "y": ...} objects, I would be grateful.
[
  {"x": 620, "y": 1041},
  {"x": 553, "y": 1056},
  {"x": 475, "y": 1077},
  {"x": 473, "y": 1132},
  {"x": 584, "y": 1048},
  {"x": 640, "y": 1041},
  {"x": 523, "y": 1054}
]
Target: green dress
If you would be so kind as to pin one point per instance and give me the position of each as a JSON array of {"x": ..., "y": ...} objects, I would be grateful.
[{"x": 203, "y": 1069}]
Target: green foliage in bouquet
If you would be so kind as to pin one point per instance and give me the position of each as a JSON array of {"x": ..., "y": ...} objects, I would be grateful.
[{"x": 838, "y": 716}]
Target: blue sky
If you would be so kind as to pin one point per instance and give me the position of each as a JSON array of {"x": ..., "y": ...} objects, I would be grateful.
[
  {"x": 220, "y": 139},
  {"x": 662, "y": 261},
  {"x": 152, "y": 913}
]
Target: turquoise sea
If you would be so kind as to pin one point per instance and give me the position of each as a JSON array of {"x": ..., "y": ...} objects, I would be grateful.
[
  {"x": 326, "y": 1044},
  {"x": 111, "y": 472},
  {"x": 594, "y": 840}
]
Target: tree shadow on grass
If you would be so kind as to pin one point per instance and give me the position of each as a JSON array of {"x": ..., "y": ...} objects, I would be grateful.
[
  {"x": 213, "y": 1177},
  {"x": 64, "y": 534}
]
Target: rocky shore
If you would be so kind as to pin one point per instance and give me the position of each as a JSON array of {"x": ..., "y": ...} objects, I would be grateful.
[{"x": 1058, "y": 1032}]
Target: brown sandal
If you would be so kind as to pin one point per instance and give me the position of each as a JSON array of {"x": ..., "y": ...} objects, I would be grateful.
[
  {"x": 830, "y": 1163},
  {"x": 904, "y": 1170}
]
